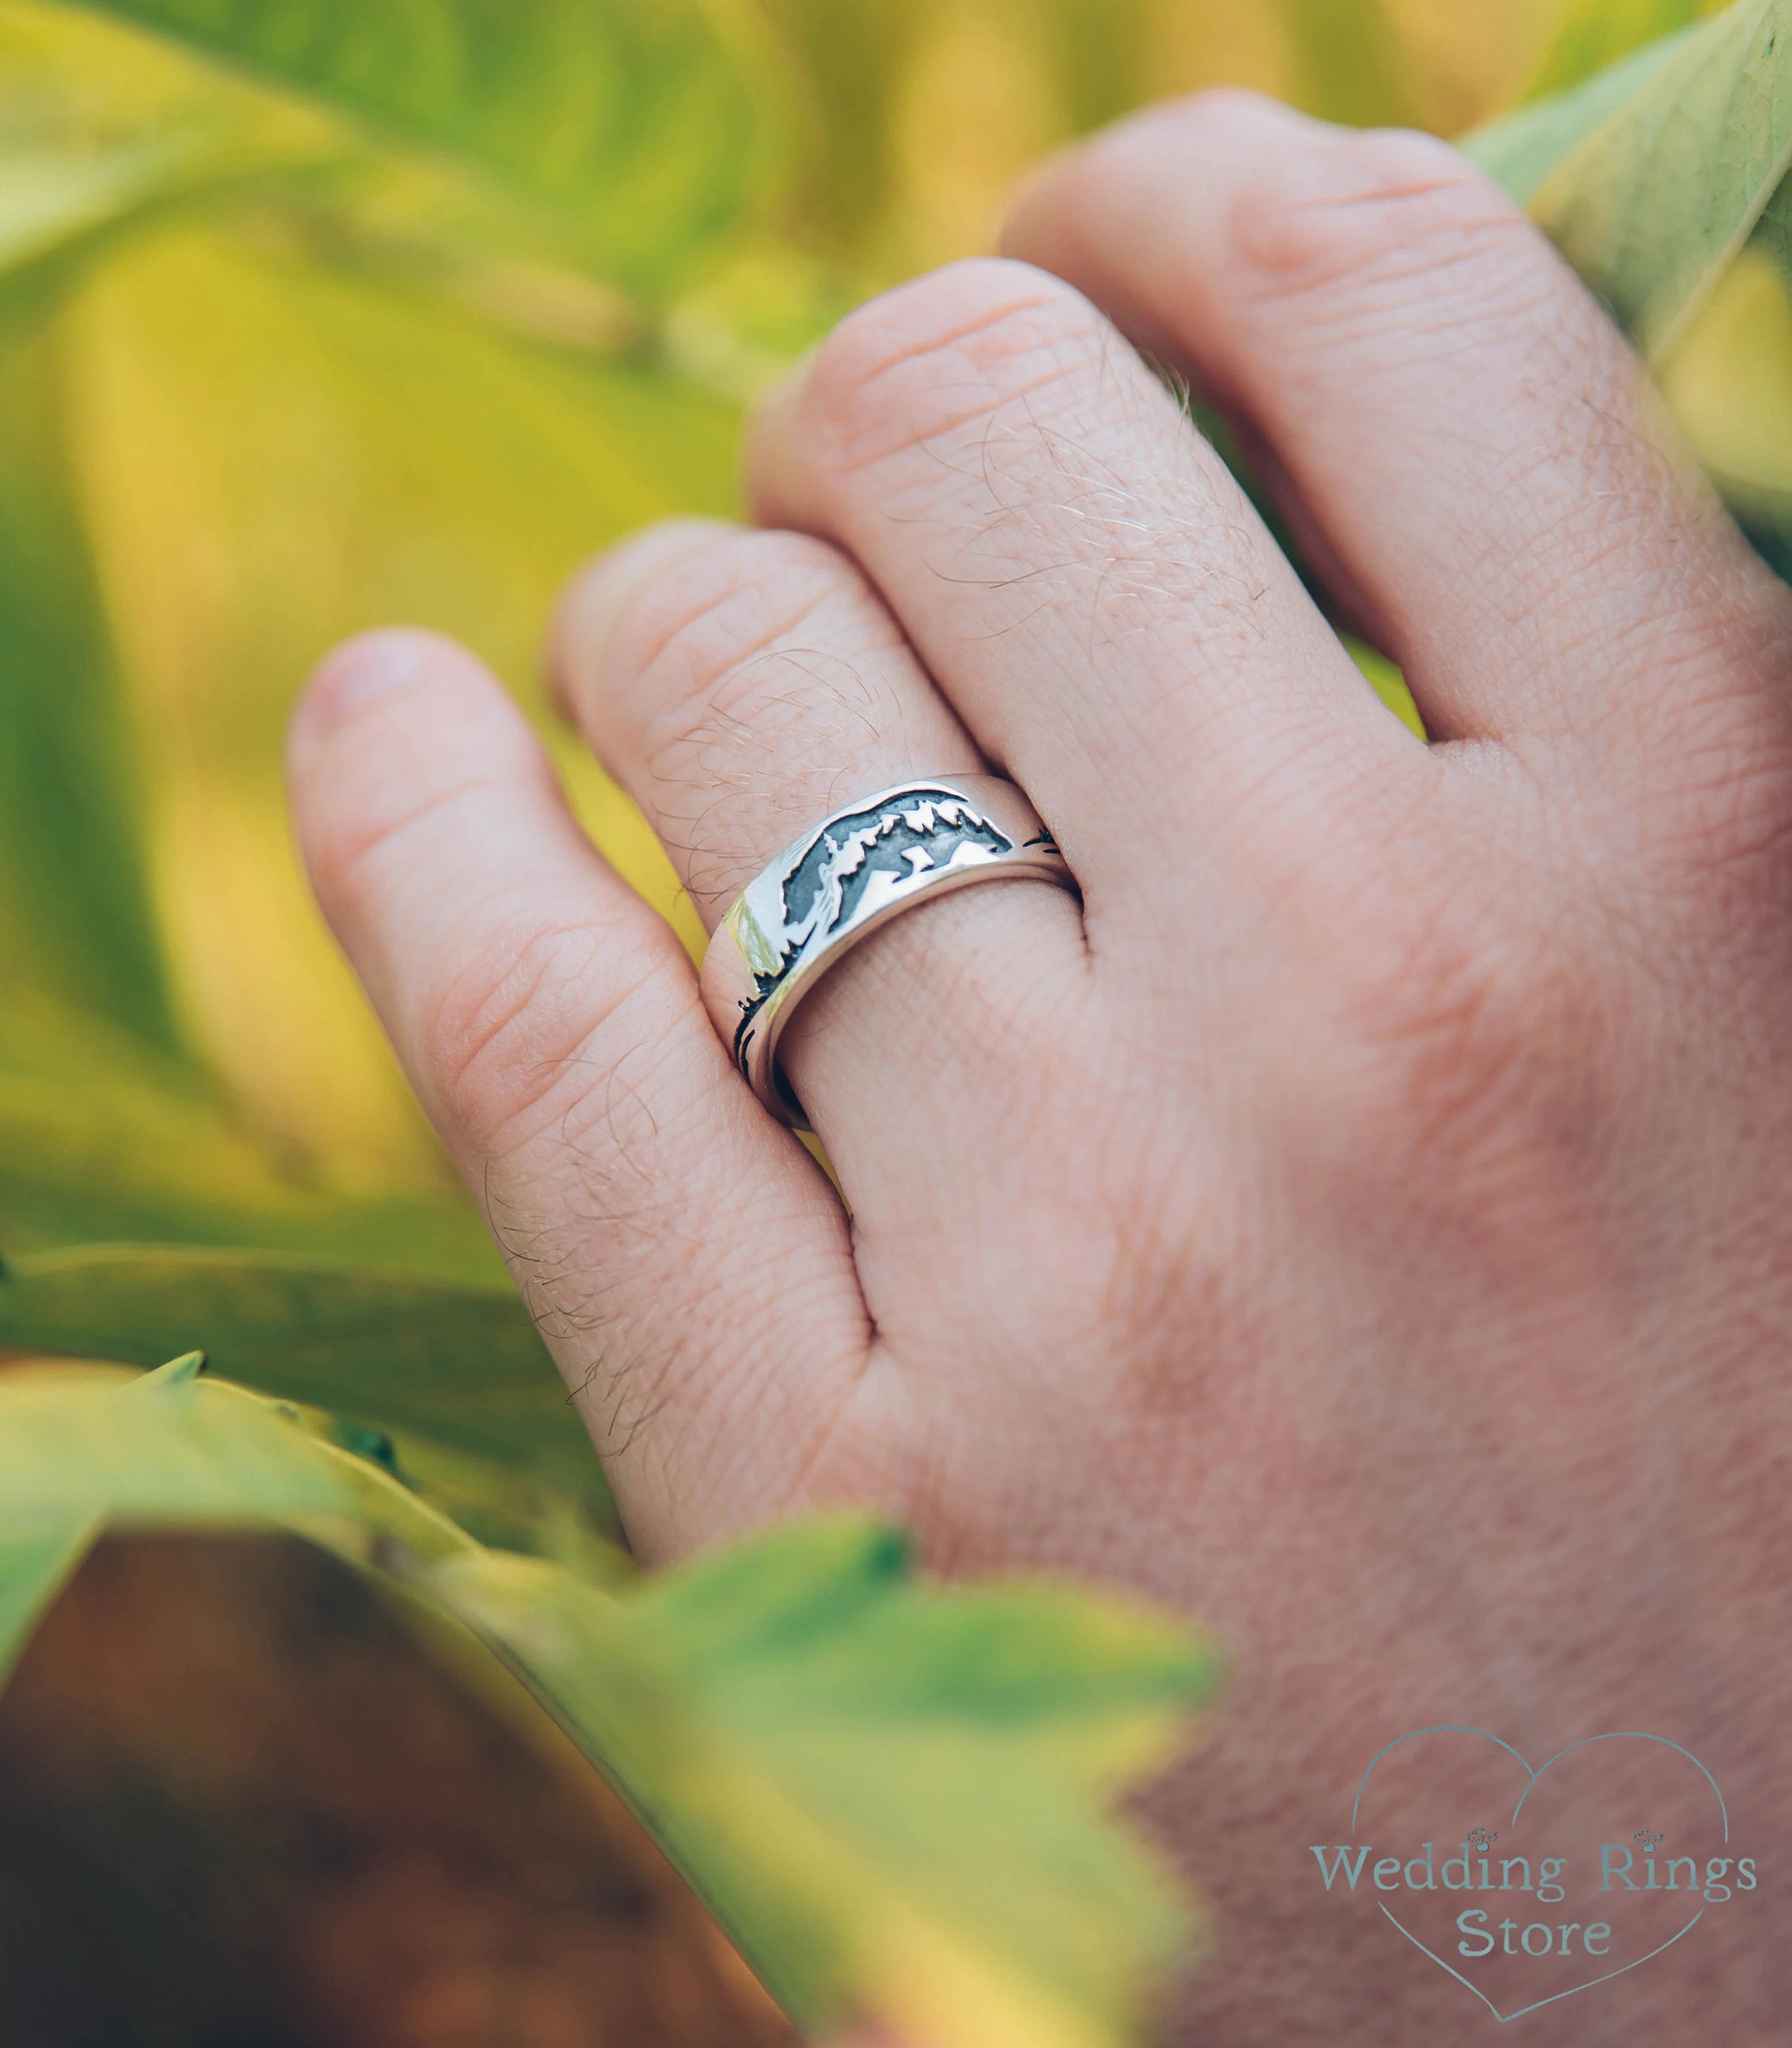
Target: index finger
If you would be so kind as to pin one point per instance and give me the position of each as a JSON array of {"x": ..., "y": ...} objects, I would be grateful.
[{"x": 686, "y": 1262}]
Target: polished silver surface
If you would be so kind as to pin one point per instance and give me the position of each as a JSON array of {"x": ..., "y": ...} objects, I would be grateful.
[{"x": 838, "y": 883}]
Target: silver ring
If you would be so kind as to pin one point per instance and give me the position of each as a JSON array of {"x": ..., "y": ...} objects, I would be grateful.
[{"x": 834, "y": 885}]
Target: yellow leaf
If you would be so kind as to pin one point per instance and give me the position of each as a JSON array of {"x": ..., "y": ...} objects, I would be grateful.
[
  {"x": 273, "y": 458},
  {"x": 1729, "y": 383}
]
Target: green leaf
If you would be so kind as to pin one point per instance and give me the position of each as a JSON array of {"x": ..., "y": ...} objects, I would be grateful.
[
  {"x": 1664, "y": 181},
  {"x": 1598, "y": 32},
  {"x": 76, "y": 1445},
  {"x": 1521, "y": 149},
  {"x": 647, "y": 123},
  {"x": 889, "y": 1793},
  {"x": 83, "y": 165},
  {"x": 78, "y": 1453},
  {"x": 1664, "y": 168},
  {"x": 67, "y": 196},
  {"x": 38, "y": 1558},
  {"x": 426, "y": 470},
  {"x": 892, "y": 1792},
  {"x": 354, "y": 1505},
  {"x": 461, "y": 1365},
  {"x": 102, "y": 1137},
  {"x": 178, "y": 1371},
  {"x": 74, "y": 904},
  {"x": 1387, "y": 682},
  {"x": 103, "y": 136},
  {"x": 385, "y": 1511}
]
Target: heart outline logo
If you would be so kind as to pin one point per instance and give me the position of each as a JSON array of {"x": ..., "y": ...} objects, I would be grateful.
[{"x": 1532, "y": 1777}]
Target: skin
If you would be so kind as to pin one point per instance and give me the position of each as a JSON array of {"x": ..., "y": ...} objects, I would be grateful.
[{"x": 1362, "y": 1224}]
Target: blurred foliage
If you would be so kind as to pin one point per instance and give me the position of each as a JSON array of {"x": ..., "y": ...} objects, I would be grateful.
[
  {"x": 1665, "y": 183},
  {"x": 954, "y": 1877},
  {"x": 242, "y": 1802},
  {"x": 431, "y": 1362},
  {"x": 318, "y": 314},
  {"x": 1598, "y": 33},
  {"x": 395, "y": 315}
]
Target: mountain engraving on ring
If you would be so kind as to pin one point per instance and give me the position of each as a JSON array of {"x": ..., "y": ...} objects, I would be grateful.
[{"x": 920, "y": 831}]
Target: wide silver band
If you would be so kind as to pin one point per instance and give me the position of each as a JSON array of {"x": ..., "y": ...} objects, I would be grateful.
[{"x": 835, "y": 885}]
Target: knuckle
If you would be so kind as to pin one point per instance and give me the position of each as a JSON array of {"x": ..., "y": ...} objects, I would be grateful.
[
  {"x": 997, "y": 406},
  {"x": 1384, "y": 208},
  {"x": 944, "y": 352},
  {"x": 530, "y": 1021},
  {"x": 350, "y": 864},
  {"x": 341, "y": 859},
  {"x": 707, "y": 618}
]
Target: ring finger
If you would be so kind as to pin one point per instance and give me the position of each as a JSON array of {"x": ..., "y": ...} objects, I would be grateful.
[{"x": 742, "y": 685}]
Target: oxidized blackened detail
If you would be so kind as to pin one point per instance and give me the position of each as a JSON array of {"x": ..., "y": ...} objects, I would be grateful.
[{"x": 913, "y": 834}]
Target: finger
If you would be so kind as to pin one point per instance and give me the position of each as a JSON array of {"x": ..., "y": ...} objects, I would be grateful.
[
  {"x": 1092, "y": 592},
  {"x": 1481, "y": 454},
  {"x": 687, "y": 1263},
  {"x": 743, "y": 685}
]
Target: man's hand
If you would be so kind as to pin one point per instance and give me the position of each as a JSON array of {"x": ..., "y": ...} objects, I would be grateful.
[{"x": 1365, "y": 1224}]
